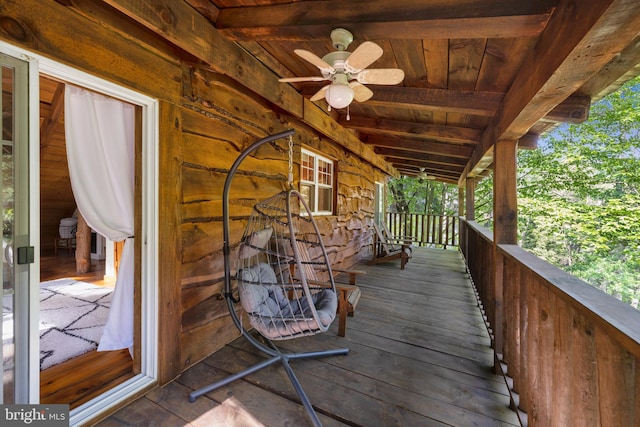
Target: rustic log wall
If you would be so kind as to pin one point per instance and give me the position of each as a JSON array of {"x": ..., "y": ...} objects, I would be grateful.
[
  {"x": 218, "y": 122},
  {"x": 205, "y": 121}
]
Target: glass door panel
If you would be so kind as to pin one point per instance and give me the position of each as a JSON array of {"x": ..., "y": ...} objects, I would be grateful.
[
  {"x": 8, "y": 280},
  {"x": 17, "y": 253}
]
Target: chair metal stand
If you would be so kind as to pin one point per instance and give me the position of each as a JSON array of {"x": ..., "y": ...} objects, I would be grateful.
[{"x": 275, "y": 355}]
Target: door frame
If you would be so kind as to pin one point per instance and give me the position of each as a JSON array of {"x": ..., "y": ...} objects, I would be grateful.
[
  {"x": 26, "y": 231},
  {"x": 149, "y": 108}
]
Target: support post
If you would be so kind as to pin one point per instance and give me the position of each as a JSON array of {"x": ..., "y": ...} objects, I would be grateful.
[
  {"x": 83, "y": 246},
  {"x": 505, "y": 228},
  {"x": 470, "y": 208}
]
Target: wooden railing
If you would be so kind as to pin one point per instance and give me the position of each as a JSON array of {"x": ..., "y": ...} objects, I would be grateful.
[
  {"x": 569, "y": 352},
  {"x": 425, "y": 230}
]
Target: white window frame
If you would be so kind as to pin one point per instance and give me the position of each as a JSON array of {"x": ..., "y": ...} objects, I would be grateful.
[{"x": 315, "y": 183}]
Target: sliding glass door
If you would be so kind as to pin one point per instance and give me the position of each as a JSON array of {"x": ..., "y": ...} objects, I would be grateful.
[{"x": 19, "y": 330}]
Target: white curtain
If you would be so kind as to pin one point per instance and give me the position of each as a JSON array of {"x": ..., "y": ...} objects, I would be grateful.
[{"x": 100, "y": 151}]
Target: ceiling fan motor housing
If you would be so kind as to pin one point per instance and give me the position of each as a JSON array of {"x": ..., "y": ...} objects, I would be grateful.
[
  {"x": 341, "y": 38},
  {"x": 336, "y": 60}
]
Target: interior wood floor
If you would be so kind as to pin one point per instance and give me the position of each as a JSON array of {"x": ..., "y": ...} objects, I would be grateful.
[
  {"x": 419, "y": 355},
  {"x": 80, "y": 379},
  {"x": 64, "y": 265}
]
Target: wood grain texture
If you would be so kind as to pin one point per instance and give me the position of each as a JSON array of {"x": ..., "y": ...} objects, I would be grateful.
[
  {"x": 169, "y": 310},
  {"x": 419, "y": 354}
]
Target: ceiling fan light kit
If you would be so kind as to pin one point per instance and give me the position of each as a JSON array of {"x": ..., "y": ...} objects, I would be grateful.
[
  {"x": 346, "y": 71},
  {"x": 339, "y": 94}
]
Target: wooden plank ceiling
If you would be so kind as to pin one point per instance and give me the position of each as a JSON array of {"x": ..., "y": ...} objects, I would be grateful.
[{"x": 476, "y": 71}]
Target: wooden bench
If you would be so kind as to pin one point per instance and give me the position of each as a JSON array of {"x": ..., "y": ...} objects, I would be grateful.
[{"x": 348, "y": 299}]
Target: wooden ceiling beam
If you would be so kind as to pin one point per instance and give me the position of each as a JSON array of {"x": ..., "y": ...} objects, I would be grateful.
[
  {"x": 425, "y": 157},
  {"x": 553, "y": 71},
  {"x": 57, "y": 109},
  {"x": 429, "y": 167},
  {"x": 447, "y": 179},
  {"x": 408, "y": 167},
  {"x": 421, "y": 146},
  {"x": 412, "y": 129},
  {"x": 185, "y": 27},
  {"x": 574, "y": 109},
  {"x": 206, "y": 8},
  {"x": 528, "y": 142},
  {"x": 624, "y": 65},
  {"x": 412, "y": 169},
  {"x": 381, "y": 20},
  {"x": 429, "y": 99}
]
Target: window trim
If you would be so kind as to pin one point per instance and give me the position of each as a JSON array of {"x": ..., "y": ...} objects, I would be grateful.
[{"x": 315, "y": 185}]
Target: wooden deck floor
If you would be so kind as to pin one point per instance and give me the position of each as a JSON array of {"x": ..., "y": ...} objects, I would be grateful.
[{"x": 419, "y": 356}]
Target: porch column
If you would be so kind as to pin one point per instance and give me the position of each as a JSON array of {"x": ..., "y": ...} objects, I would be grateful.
[
  {"x": 468, "y": 209},
  {"x": 505, "y": 227},
  {"x": 505, "y": 205},
  {"x": 470, "y": 205}
]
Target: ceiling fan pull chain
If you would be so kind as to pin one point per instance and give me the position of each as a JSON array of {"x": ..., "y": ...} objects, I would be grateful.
[{"x": 348, "y": 116}]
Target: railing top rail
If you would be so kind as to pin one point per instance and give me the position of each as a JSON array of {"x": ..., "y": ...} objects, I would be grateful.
[
  {"x": 483, "y": 231},
  {"x": 621, "y": 320}
]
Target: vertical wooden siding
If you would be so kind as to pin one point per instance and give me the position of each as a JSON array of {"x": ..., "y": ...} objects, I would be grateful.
[{"x": 571, "y": 352}]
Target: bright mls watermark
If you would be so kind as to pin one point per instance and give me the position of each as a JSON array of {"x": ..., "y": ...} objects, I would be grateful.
[{"x": 34, "y": 415}]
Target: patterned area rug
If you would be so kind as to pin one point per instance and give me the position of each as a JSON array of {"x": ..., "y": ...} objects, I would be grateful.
[{"x": 72, "y": 317}]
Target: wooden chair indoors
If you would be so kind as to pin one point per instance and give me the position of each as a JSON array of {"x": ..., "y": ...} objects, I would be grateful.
[
  {"x": 387, "y": 249},
  {"x": 67, "y": 235}
]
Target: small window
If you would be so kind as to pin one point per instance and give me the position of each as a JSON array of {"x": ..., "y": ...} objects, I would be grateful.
[{"x": 316, "y": 182}]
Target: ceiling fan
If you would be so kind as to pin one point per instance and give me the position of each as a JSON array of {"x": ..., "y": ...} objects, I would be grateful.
[
  {"x": 347, "y": 71},
  {"x": 423, "y": 175}
]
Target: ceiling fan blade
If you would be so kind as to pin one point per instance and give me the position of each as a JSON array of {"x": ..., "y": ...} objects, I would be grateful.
[
  {"x": 364, "y": 55},
  {"x": 319, "y": 94},
  {"x": 301, "y": 79},
  {"x": 361, "y": 93},
  {"x": 381, "y": 76},
  {"x": 315, "y": 60}
]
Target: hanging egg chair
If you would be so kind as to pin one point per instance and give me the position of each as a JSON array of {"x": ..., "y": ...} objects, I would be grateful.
[{"x": 283, "y": 277}]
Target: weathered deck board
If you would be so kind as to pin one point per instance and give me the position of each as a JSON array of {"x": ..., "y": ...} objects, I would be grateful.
[{"x": 418, "y": 355}]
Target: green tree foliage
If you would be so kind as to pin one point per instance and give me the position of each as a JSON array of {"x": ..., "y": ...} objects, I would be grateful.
[
  {"x": 579, "y": 196},
  {"x": 415, "y": 195},
  {"x": 484, "y": 202}
]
